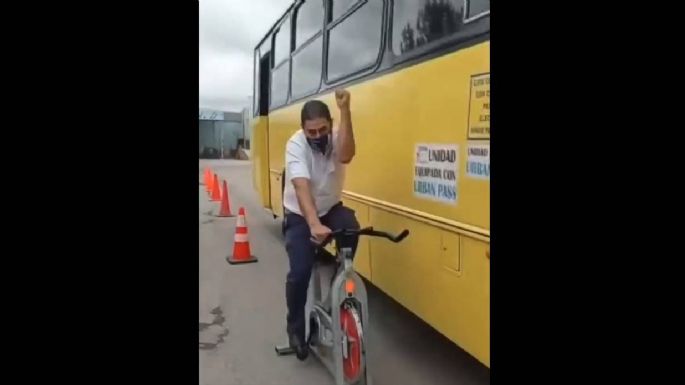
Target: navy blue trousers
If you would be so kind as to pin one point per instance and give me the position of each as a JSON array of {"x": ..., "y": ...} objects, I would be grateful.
[{"x": 301, "y": 254}]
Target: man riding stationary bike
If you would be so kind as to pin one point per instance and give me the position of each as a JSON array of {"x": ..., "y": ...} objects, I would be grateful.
[{"x": 315, "y": 160}]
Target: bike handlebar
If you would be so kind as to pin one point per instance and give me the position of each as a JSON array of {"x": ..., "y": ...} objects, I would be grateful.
[{"x": 365, "y": 231}]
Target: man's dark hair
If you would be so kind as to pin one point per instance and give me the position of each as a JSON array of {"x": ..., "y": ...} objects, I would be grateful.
[{"x": 314, "y": 109}]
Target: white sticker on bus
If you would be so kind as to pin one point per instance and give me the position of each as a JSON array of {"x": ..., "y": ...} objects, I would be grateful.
[
  {"x": 436, "y": 172},
  {"x": 478, "y": 161}
]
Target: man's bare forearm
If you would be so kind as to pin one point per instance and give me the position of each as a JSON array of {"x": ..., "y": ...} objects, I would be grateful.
[
  {"x": 345, "y": 142},
  {"x": 306, "y": 201},
  {"x": 345, "y": 136}
]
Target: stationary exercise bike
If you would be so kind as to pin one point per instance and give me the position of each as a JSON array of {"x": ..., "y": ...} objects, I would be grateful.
[{"x": 337, "y": 318}]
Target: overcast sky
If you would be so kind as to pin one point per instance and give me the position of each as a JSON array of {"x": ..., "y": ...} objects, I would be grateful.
[{"x": 229, "y": 31}]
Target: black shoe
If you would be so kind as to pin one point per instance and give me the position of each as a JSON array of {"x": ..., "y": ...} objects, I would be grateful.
[{"x": 301, "y": 350}]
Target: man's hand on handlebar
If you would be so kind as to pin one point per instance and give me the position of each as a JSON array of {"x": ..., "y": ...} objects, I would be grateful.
[
  {"x": 319, "y": 232},
  {"x": 369, "y": 231}
]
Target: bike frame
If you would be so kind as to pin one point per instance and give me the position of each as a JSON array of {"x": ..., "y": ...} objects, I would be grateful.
[{"x": 325, "y": 311}]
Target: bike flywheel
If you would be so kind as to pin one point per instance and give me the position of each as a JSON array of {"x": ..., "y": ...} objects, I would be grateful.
[{"x": 350, "y": 323}]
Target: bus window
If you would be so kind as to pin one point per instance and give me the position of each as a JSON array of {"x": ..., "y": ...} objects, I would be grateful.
[
  {"x": 280, "y": 75},
  {"x": 279, "y": 84},
  {"x": 262, "y": 62},
  {"x": 354, "y": 43},
  {"x": 340, "y": 7},
  {"x": 306, "y": 77},
  {"x": 264, "y": 66},
  {"x": 265, "y": 49},
  {"x": 308, "y": 21},
  {"x": 475, "y": 8},
  {"x": 282, "y": 43},
  {"x": 420, "y": 22}
]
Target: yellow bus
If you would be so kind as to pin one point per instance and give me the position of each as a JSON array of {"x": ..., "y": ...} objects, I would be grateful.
[{"x": 419, "y": 76}]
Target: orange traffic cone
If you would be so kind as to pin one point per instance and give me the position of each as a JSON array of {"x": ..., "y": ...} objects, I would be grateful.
[
  {"x": 210, "y": 178},
  {"x": 205, "y": 177},
  {"x": 216, "y": 193},
  {"x": 241, "y": 244},
  {"x": 225, "y": 210}
]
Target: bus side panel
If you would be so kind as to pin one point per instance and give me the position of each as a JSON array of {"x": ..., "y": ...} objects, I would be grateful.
[
  {"x": 362, "y": 259},
  {"x": 275, "y": 178},
  {"x": 282, "y": 124},
  {"x": 473, "y": 328},
  {"x": 441, "y": 276},
  {"x": 260, "y": 158},
  {"x": 424, "y": 104},
  {"x": 461, "y": 308},
  {"x": 403, "y": 270}
]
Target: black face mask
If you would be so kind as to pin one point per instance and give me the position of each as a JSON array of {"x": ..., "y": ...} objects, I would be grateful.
[{"x": 320, "y": 143}]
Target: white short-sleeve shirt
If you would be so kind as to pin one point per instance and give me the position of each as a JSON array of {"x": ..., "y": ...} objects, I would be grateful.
[{"x": 326, "y": 175}]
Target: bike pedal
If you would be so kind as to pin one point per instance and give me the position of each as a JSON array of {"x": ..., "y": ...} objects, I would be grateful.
[{"x": 284, "y": 350}]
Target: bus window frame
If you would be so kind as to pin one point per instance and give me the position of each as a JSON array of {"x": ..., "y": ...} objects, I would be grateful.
[
  {"x": 332, "y": 24},
  {"x": 476, "y": 29},
  {"x": 475, "y": 17},
  {"x": 296, "y": 11},
  {"x": 271, "y": 93},
  {"x": 295, "y": 96},
  {"x": 274, "y": 35},
  {"x": 351, "y": 9},
  {"x": 255, "y": 82},
  {"x": 262, "y": 49},
  {"x": 305, "y": 44},
  {"x": 272, "y": 56}
]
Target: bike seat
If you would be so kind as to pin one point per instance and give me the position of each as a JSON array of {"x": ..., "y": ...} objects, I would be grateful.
[{"x": 324, "y": 256}]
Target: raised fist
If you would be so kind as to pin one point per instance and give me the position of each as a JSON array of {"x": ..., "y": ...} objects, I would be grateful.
[{"x": 342, "y": 98}]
